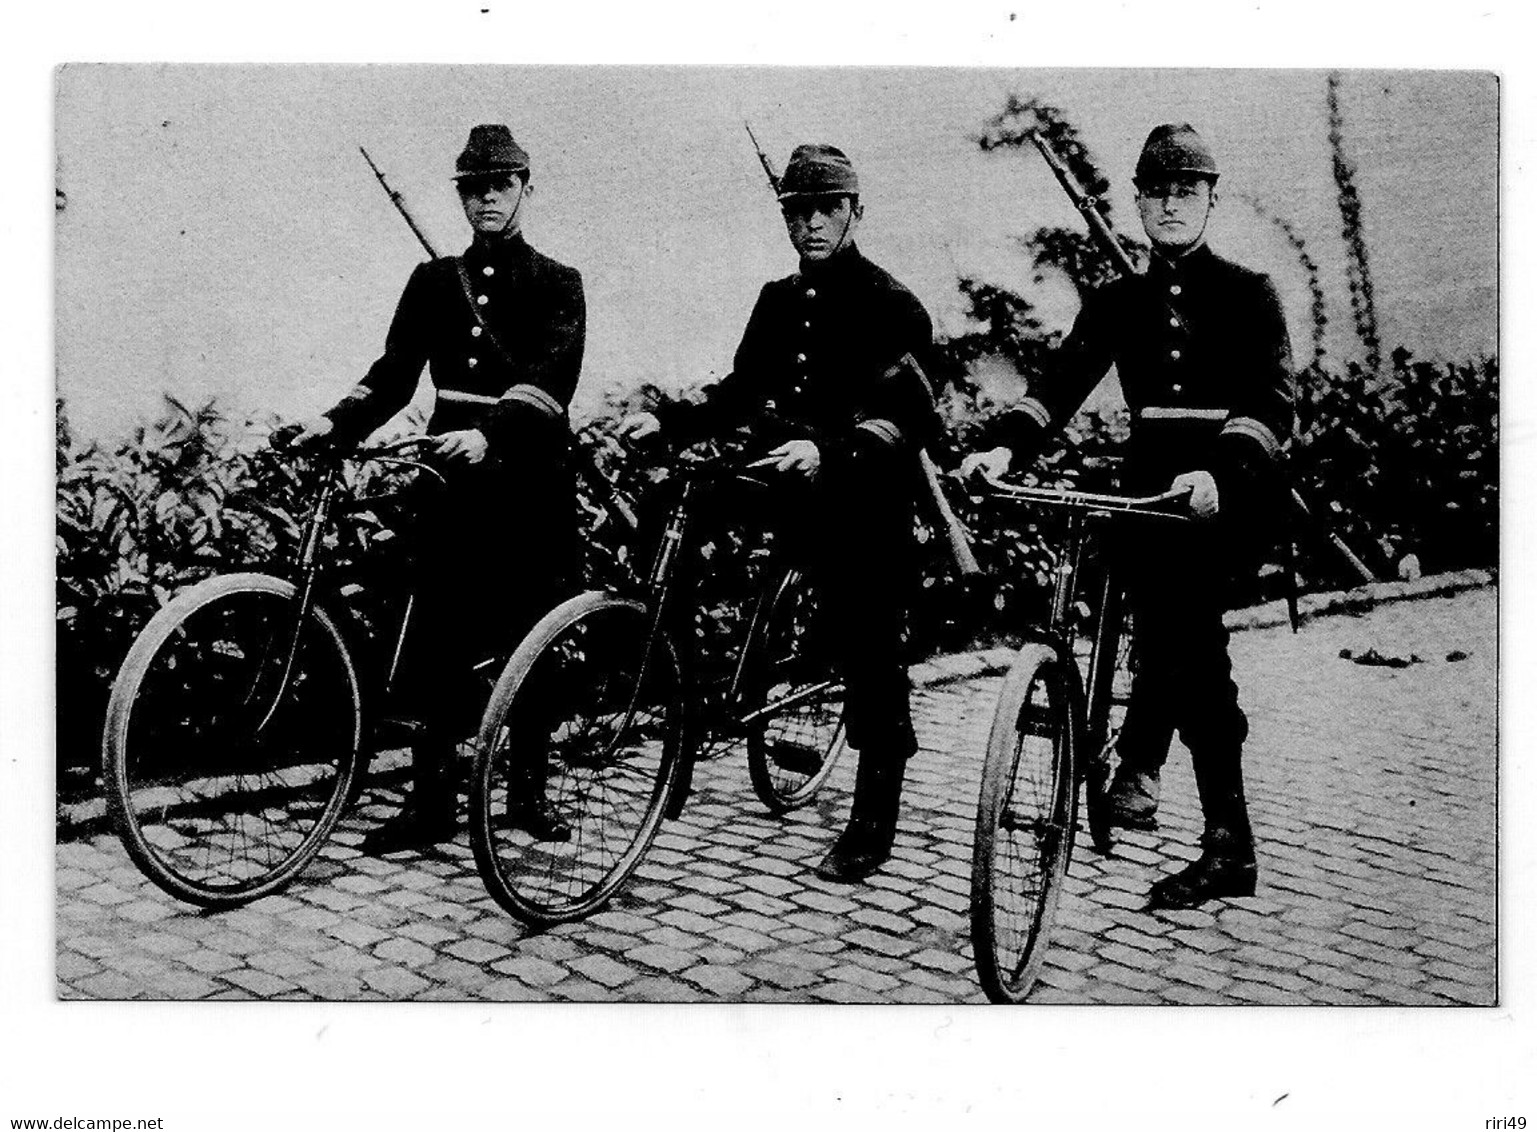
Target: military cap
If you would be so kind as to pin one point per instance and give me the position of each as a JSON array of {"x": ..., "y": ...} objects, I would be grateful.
[
  {"x": 818, "y": 171},
  {"x": 1174, "y": 150},
  {"x": 490, "y": 149}
]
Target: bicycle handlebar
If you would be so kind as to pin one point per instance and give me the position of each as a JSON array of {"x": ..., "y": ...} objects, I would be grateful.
[
  {"x": 403, "y": 450},
  {"x": 1160, "y": 506}
]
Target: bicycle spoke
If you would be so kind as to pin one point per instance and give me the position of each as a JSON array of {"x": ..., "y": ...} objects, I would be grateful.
[{"x": 609, "y": 741}]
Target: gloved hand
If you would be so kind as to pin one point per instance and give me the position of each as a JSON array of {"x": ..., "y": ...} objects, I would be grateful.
[
  {"x": 302, "y": 435},
  {"x": 993, "y": 463},
  {"x": 638, "y": 427},
  {"x": 797, "y": 457},
  {"x": 467, "y": 446},
  {"x": 1203, "y": 492}
]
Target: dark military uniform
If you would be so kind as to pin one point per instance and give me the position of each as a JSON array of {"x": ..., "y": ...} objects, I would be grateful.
[
  {"x": 498, "y": 549},
  {"x": 835, "y": 354},
  {"x": 1204, "y": 360}
]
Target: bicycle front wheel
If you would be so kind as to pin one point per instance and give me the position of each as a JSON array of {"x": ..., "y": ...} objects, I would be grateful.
[
  {"x": 587, "y": 722},
  {"x": 226, "y": 766},
  {"x": 1025, "y": 817},
  {"x": 793, "y": 700}
]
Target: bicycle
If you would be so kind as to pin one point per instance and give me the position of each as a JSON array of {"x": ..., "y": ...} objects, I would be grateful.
[
  {"x": 602, "y": 699},
  {"x": 1054, "y": 727},
  {"x": 235, "y": 732}
]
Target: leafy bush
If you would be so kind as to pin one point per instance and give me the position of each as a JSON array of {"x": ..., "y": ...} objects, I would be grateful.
[
  {"x": 1408, "y": 463},
  {"x": 186, "y": 496}
]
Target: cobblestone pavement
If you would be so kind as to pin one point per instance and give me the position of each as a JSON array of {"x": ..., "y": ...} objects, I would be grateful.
[{"x": 1372, "y": 792}]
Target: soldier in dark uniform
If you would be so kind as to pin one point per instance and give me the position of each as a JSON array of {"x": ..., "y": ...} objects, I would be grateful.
[
  {"x": 505, "y": 326},
  {"x": 830, "y": 373},
  {"x": 1204, "y": 360}
]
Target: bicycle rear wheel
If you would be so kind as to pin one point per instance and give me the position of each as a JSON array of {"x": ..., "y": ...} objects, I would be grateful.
[
  {"x": 224, "y": 778},
  {"x": 589, "y": 711},
  {"x": 1025, "y": 818},
  {"x": 792, "y": 700}
]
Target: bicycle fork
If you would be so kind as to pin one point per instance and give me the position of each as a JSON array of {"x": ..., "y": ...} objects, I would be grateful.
[{"x": 309, "y": 568}]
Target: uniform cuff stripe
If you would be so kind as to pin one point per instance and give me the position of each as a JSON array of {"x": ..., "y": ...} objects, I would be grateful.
[
  {"x": 1036, "y": 411},
  {"x": 883, "y": 430},
  {"x": 536, "y": 398},
  {"x": 1256, "y": 431}
]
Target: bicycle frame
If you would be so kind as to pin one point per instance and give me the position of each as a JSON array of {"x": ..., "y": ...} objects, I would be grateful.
[
  {"x": 659, "y": 587},
  {"x": 309, "y": 563},
  {"x": 1086, "y": 509}
]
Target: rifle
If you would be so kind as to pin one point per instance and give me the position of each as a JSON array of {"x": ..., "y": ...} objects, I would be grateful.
[
  {"x": 1100, "y": 229},
  {"x": 613, "y": 502},
  {"x": 957, "y": 538},
  {"x": 400, "y": 205}
]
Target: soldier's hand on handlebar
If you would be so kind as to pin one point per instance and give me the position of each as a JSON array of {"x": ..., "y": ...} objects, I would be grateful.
[
  {"x": 798, "y": 457},
  {"x": 994, "y": 464},
  {"x": 302, "y": 435},
  {"x": 638, "y": 427},
  {"x": 466, "y": 446},
  {"x": 1203, "y": 492}
]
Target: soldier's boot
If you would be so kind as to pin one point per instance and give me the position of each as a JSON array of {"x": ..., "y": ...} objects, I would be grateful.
[
  {"x": 865, "y": 844},
  {"x": 528, "y": 803},
  {"x": 1133, "y": 797},
  {"x": 430, "y": 814},
  {"x": 1226, "y": 866}
]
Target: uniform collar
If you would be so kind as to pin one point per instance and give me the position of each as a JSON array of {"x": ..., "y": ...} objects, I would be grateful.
[
  {"x": 502, "y": 246},
  {"x": 1192, "y": 261},
  {"x": 844, "y": 265}
]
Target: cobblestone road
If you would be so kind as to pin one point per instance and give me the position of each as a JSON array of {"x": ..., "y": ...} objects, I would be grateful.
[{"x": 1372, "y": 792}]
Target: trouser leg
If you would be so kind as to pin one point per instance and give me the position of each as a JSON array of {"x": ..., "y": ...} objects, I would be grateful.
[
  {"x": 864, "y": 573},
  {"x": 474, "y": 598},
  {"x": 1188, "y": 650}
]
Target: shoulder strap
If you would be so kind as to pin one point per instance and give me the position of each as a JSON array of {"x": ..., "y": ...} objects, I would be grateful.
[{"x": 468, "y": 288}]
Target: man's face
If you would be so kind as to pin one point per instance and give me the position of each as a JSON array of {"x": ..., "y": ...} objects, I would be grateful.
[
  {"x": 1174, "y": 211},
  {"x": 821, "y": 226},
  {"x": 492, "y": 201}
]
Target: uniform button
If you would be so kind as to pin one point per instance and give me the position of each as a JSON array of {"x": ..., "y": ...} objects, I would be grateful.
[
  {"x": 482, "y": 300},
  {"x": 1174, "y": 322},
  {"x": 474, "y": 362},
  {"x": 799, "y": 389},
  {"x": 800, "y": 358},
  {"x": 807, "y": 325},
  {"x": 474, "y": 332},
  {"x": 1178, "y": 387},
  {"x": 1174, "y": 354},
  {"x": 1175, "y": 289},
  {"x": 488, "y": 270},
  {"x": 811, "y": 292}
]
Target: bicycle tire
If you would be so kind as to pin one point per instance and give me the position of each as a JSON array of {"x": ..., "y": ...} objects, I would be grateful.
[
  {"x": 791, "y": 751},
  {"x": 1109, "y": 692},
  {"x": 1026, "y": 812},
  {"x": 609, "y": 721},
  {"x": 213, "y": 815}
]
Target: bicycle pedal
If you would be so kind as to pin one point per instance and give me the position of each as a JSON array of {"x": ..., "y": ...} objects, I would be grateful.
[
  {"x": 397, "y": 732},
  {"x": 796, "y": 757}
]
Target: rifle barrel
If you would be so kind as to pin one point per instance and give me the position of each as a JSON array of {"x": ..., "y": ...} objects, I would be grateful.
[{"x": 400, "y": 206}]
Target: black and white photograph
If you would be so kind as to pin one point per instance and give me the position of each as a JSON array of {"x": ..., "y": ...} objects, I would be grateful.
[
  {"x": 566, "y": 544},
  {"x": 844, "y": 536}
]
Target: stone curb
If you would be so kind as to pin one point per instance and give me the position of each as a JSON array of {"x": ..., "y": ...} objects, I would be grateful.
[
  {"x": 940, "y": 670},
  {"x": 1273, "y": 614}
]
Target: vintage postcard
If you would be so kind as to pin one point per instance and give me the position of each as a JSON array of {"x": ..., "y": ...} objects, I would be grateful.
[{"x": 523, "y": 536}]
